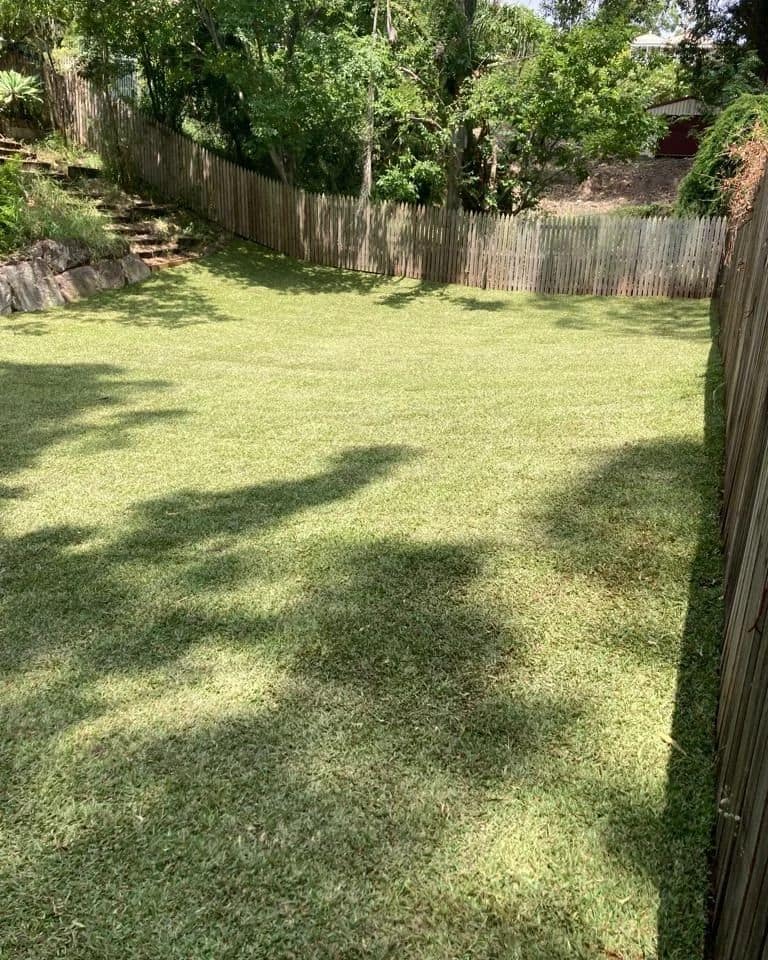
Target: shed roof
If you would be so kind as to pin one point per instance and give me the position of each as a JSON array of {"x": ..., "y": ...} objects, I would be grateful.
[{"x": 682, "y": 107}]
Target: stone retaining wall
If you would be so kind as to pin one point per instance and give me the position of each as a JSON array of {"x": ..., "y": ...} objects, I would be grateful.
[{"x": 53, "y": 273}]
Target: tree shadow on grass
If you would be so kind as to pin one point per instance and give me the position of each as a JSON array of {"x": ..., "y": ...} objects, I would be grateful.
[
  {"x": 620, "y": 530},
  {"x": 177, "y": 298},
  {"x": 691, "y": 797},
  {"x": 159, "y": 810},
  {"x": 640, "y": 316},
  {"x": 192, "y": 533},
  {"x": 169, "y": 299},
  {"x": 46, "y": 404},
  {"x": 300, "y": 822},
  {"x": 245, "y": 264},
  {"x": 25, "y": 328},
  {"x": 152, "y": 814}
]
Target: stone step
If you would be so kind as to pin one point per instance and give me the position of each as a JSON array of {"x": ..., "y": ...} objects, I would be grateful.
[
  {"x": 157, "y": 252},
  {"x": 138, "y": 238},
  {"x": 153, "y": 243},
  {"x": 131, "y": 212},
  {"x": 80, "y": 170},
  {"x": 150, "y": 210},
  {"x": 133, "y": 217},
  {"x": 9, "y": 144},
  {"x": 134, "y": 227},
  {"x": 161, "y": 263},
  {"x": 32, "y": 166},
  {"x": 14, "y": 151},
  {"x": 105, "y": 208},
  {"x": 141, "y": 204},
  {"x": 134, "y": 221}
]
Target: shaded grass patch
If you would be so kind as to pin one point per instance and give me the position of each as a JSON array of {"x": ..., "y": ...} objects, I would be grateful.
[{"x": 356, "y": 617}]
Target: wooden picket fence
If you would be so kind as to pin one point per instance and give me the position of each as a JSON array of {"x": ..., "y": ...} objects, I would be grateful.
[
  {"x": 16, "y": 60},
  {"x": 578, "y": 255},
  {"x": 740, "y": 921}
]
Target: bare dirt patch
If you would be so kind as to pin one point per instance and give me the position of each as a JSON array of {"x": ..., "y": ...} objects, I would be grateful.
[{"x": 611, "y": 186}]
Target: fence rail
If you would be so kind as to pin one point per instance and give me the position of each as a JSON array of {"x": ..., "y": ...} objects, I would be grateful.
[
  {"x": 576, "y": 255},
  {"x": 741, "y": 860}
]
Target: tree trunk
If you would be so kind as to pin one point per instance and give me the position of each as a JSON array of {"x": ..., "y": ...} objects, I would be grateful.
[
  {"x": 454, "y": 167},
  {"x": 279, "y": 165},
  {"x": 493, "y": 175},
  {"x": 366, "y": 180}
]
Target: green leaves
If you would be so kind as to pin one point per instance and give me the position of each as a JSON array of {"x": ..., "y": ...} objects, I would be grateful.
[
  {"x": 436, "y": 101},
  {"x": 703, "y": 192},
  {"x": 12, "y": 203},
  {"x": 567, "y": 98},
  {"x": 18, "y": 92}
]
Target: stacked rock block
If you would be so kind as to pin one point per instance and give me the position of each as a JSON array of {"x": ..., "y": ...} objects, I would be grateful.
[{"x": 53, "y": 273}]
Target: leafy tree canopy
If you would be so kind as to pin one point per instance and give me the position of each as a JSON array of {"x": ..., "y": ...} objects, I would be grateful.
[
  {"x": 440, "y": 101},
  {"x": 735, "y": 59}
]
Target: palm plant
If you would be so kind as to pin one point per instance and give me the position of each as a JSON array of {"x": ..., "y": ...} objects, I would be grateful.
[{"x": 18, "y": 92}]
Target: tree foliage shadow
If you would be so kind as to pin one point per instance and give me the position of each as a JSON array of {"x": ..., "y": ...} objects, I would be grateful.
[
  {"x": 168, "y": 300},
  {"x": 245, "y": 263},
  {"x": 265, "y": 820},
  {"x": 44, "y": 404},
  {"x": 329, "y": 787},
  {"x": 639, "y": 316},
  {"x": 691, "y": 795},
  {"x": 270, "y": 813},
  {"x": 25, "y": 328},
  {"x": 620, "y": 528}
]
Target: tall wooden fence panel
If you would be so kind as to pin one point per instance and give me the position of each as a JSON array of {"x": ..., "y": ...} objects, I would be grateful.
[
  {"x": 740, "y": 928},
  {"x": 15, "y": 60},
  {"x": 586, "y": 255}
]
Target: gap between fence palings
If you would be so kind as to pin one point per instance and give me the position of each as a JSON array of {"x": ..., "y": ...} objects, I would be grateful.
[{"x": 604, "y": 256}]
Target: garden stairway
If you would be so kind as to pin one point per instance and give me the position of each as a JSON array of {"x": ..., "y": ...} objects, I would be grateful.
[
  {"x": 146, "y": 227},
  {"x": 29, "y": 162},
  {"x": 151, "y": 231}
]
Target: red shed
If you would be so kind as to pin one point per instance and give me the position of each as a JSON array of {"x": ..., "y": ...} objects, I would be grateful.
[{"x": 686, "y": 121}]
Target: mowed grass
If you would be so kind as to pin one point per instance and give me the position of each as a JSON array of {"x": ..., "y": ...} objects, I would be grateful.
[{"x": 346, "y": 617}]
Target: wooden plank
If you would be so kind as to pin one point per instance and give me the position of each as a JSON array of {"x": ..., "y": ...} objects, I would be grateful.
[{"x": 740, "y": 921}]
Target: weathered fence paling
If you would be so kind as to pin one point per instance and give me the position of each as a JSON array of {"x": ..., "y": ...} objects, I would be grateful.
[
  {"x": 581, "y": 254},
  {"x": 740, "y": 921}
]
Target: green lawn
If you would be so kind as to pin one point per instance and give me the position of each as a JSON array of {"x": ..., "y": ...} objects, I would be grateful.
[{"x": 356, "y": 618}]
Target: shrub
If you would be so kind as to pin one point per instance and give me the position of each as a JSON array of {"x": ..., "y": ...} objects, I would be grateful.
[
  {"x": 645, "y": 210},
  {"x": 36, "y": 208},
  {"x": 18, "y": 93},
  {"x": 411, "y": 181},
  {"x": 12, "y": 205},
  {"x": 55, "y": 148},
  {"x": 743, "y": 187},
  {"x": 54, "y": 214},
  {"x": 704, "y": 191}
]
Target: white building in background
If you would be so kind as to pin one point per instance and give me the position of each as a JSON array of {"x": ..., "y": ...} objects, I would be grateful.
[{"x": 649, "y": 43}]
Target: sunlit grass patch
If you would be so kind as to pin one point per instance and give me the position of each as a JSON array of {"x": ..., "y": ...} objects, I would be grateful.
[{"x": 350, "y": 617}]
